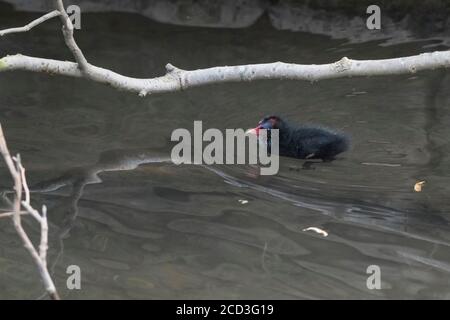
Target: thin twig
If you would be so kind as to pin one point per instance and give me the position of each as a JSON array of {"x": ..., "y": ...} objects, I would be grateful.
[
  {"x": 68, "y": 37},
  {"x": 24, "y": 182},
  {"x": 32, "y": 24},
  {"x": 10, "y": 214},
  {"x": 43, "y": 247},
  {"x": 32, "y": 211},
  {"x": 20, "y": 184}
]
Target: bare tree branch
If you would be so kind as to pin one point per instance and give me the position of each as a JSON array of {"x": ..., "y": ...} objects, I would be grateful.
[
  {"x": 32, "y": 24},
  {"x": 177, "y": 79},
  {"x": 67, "y": 30},
  {"x": 17, "y": 172}
]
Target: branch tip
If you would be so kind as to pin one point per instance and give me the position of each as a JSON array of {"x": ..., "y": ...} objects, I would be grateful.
[{"x": 171, "y": 68}]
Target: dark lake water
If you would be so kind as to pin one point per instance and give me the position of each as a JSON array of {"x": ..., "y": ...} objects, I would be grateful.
[{"x": 166, "y": 231}]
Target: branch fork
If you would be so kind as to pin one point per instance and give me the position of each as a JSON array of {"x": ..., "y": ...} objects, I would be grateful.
[
  {"x": 177, "y": 79},
  {"x": 21, "y": 207}
]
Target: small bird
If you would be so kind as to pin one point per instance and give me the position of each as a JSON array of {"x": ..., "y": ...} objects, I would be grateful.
[{"x": 304, "y": 142}]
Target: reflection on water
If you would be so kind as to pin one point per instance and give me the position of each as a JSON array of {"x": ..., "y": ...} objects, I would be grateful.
[{"x": 155, "y": 230}]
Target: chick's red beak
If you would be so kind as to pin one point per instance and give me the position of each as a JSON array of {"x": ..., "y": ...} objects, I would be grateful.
[{"x": 254, "y": 131}]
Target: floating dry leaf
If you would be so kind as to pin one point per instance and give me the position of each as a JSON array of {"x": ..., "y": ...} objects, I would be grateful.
[
  {"x": 317, "y": 230},
  {"x": 418, "y": 186}
]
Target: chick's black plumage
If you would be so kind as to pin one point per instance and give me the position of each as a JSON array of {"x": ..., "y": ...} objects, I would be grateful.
[{"x": 305, "y": 142}]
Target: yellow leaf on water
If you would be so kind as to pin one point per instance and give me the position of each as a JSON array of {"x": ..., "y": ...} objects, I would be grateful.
[{"x": 418, "y": 186}]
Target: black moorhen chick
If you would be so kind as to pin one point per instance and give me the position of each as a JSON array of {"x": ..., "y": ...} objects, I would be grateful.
[{"x": 304, "y": 142}]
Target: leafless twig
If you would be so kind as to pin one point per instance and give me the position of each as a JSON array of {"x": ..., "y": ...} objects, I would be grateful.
[
  {"x": 17, "y": 172},
  {"x": 10, "y": 214},
  {"x": 32, "y": 24},
  {"x": 68, "y": 36}
]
